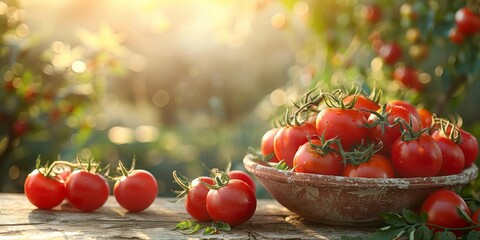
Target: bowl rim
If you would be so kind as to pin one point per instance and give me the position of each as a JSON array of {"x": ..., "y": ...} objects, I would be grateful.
[{"x": 264, "y": 169}]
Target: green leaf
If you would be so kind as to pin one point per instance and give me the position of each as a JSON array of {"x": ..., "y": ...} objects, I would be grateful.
[
  {"x": 184, "y": 225},
  {"x": 210, "y": 231},
  {"x": 445, "y": 235},
  {"x": 410, "y": 216},
  {"x": 394, "y": 219},
  {"x": 473, "y": 235},
  {"x": 188, "y": 227},
  {"x": 423, "y": 233},
  {"x": 221, "y": 226}
]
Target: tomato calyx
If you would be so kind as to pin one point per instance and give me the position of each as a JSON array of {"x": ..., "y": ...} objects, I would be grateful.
[
  {"x": 220, "y": 179},
  {"x": 448, "y": 129},
  {"x": 303, "y": 110},
  {"x": 361, "y": 154},
  {"x": 184, "y": 182},
  {"x": 408, "y": 133}
]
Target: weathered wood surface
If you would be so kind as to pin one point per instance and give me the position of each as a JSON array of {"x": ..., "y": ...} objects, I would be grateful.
[{"x": 21, "y": 220}]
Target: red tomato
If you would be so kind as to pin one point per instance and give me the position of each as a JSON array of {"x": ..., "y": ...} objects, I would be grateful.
[
  {"x": 456, "y": 36},
  {"x": 362, "y": 103},
  {"x": 346, "y": 124},
  {"x": 243, "y": 176},
  {"x": 44, "y": 192},
  {"x": 467, "y": 22},
  {"x": 384, "y": 132},
  {"x": 377, "y": 167},
  {"x": 476, "y": 218},
  {"x": 453, "y": 158},
  {"x": 289, "y": 138},
  {"x": 137, "y": 191},
  {"x": 371, "y": 13},
  {"x": 425, "y": 117},
  {"x": 410, "y": 107},
  {"x": 87, "y": 191},
  {"x": 416, "y": 158},
  {"x": 390, "y": 52},
  {"x": 441, "y": 209},
  {"x": 195, "y": 202},
  {"x": 408, "y": 77},
  {"x": 234, "y": 203},
  {"x": 310, "y": 160},
  {"x": 266, "y": 145},
  {"x": 469, "y": 146}
]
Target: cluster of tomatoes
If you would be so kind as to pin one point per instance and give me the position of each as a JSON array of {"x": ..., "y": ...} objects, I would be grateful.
[
  {"x": 86, "y": 189},
  {"x": 355, "y": 136},
  {"x": 467, "y": 24},
  {"x": 228, "y": 197},
  {"x": 446, "y": 210}
]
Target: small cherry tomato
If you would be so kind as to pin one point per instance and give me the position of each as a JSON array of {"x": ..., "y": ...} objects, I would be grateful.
[
  {"x": 233, "y": 203},
  {"x": 410, "y": 107},
  {"x": 44, "y": 192},
  {"x": 467, "y": 22},
  {"x": 371, "y": 13},
  {"x": 441, "y": 209},
  {"x": 362, "y": 103},
  {"x": 243, "y": 176},
  {"x": 408, "y": 77},
  {"x": 453, "y": 158},
  {"x": 348, "y": 125},
  {"x": 469, "y": 146},
  {"x": 310, "y": 159},
  {"x": 87, "y": 191},
  {"x": 425, "y": 117},
  {"x": 195, "y": 201},
  {"x": 421, "y": 157},
  {"x": 377, "y": 167},
  {"x": 456, "y": 36},
  {"x": 266, "y": 145},
  {"x": 390, "y": 52},
  {"x": 136, "y": 191},
  {"x": 289, "y": 138}
]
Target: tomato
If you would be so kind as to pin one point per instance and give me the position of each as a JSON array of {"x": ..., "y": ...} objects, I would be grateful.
[
  {"x": 453, "y": 157},
  {"x": 420, "y": 157},
  {"x": 362, "y": 103},
  {"x": 233, "y": 203},
  {"x": 456, "y": 36},
  {"x": 410, "y": 107},
  {"x": 289, "y": 138},
  {"x": 371, "y": 13},
  {"x": 441, "y": 209},
  {"x": 136, "y": 191},
  {"x": 87, "y": 191},
  {"x": 266, "y": 145},
  {"x": 311, "y": 160},
  {"x": 348, "y": 125},
  {"x": 384, "y": 131},
  {"x": 243, "y": 176},
  {"x": 195, "y": 201},
  {"x": 467, "y": 22},
  {"x": 44, "y": 192},
  {"x": 408, "y": 77},
  {"x": 476, "y": 218},
  {"x": 377, "y": 167},
  {"x": 425, "y": 117},
  {"x": 469, "y": 146},
  {"x": 390, "y": 52}
]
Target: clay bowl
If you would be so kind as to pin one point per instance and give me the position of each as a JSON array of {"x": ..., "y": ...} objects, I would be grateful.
[{"x": 347, "y": 201}]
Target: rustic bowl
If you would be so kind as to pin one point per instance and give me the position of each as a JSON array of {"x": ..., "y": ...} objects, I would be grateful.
[{"x": 349, "y": 201}]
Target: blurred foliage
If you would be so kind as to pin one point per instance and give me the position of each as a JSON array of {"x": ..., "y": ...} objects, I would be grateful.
[{"x": 58, "y": 96}]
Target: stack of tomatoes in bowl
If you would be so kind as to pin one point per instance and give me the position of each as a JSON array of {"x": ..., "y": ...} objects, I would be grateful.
[{"x": 345, "y": 158}]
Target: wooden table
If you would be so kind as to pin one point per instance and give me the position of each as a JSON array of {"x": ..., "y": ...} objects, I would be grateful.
[{"x": 21, "y": 220}]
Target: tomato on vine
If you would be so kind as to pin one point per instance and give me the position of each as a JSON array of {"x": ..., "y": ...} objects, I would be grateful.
[
  {"x": 231, "y": 201},
  {"x": 195, "y": 194},
  {"x": 390, "y": 52},
  {"x": 408, "y": 77},
  {"x": 467, "y": 22},
  {"x": 416, "y": 154},
  {"x": 319, "y": 157},
  {"x": 43, "y": 189},
  {"x": 469, "y": 146},
  {"x": 343, "y": 122},
  {"x": 136, "y": 189},
  {"x": 442, "y": 207},
  {"x": 242, "y": 176},
  {"x": 385, "y": 128},
  {"x": 289, "y": 138},
  {"x": 87, "y": 189},
  {"x": 362, "y": 103}
]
